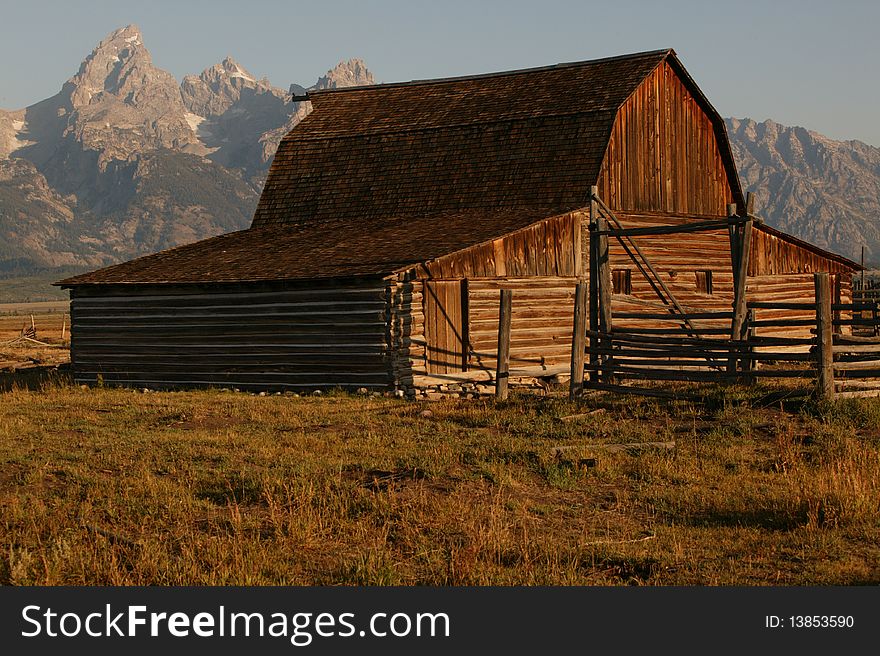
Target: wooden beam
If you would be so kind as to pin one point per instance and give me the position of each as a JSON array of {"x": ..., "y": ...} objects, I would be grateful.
[
  {"x": 577, "y": 248},
  {"x": 465, "y": 325},
  {"x": 825, "y": 352},
  {"x": 503, "y": 358},
  {"x": 732, "y": 231},
  {"x": 594, "y": 275},
  {"x": 603, "y": 266},
  {"x": 627, "y": 447},
  {"x": 578, "y": 340},
  {"x": 739, "y": 324},
  {"x": 701, "y": 226}
]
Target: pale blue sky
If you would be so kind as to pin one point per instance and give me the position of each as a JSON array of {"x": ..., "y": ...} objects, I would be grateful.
[{"x": 801, "y": 63}]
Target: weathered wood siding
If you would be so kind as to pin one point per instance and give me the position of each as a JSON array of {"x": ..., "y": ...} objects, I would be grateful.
[
  {"x": 270, "y": 337},
  {"x": 455, "y": 301},
  {"x": 542, "y": 313},
  {"x": 772, "y": 255},
  {"x": 546, "y": 248},
  {"x": 663, "y": 154},
  {"x": 445, "y": 308},
  {"x": 677, "y": 259}
]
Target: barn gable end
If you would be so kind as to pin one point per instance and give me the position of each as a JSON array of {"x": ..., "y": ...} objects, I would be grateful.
[{"x": 668, "y": 150}]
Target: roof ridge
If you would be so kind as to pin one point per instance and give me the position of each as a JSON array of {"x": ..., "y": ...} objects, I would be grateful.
[
  {"x": 290, "y": 136},
  {"x": 478, "y": 76}
]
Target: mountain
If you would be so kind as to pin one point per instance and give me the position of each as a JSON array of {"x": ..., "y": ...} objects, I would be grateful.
[
  {"x": 821, "y": 190},
  {"x": 124, "y": 161}
]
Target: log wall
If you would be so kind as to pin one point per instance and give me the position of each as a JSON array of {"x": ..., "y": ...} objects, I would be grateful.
[
  {"x": 677, "y": 259},
  {"x": 542, "y": 313},
  {"x": 794, "y": 288},
  {"x": 266, "y": 337}
]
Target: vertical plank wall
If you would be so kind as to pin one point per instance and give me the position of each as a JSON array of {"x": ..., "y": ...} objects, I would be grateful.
[
  {"x": 444, "y": 327},
  {"x": 663, "y": 154}
]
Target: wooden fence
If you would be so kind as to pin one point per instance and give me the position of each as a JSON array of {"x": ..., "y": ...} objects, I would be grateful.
[
  {"x": 840, "y": 364},
  {"x": 840, "y": 351}
]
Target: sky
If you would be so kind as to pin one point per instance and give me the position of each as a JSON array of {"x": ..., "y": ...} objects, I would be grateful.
[{"x": 813, "y": 64}]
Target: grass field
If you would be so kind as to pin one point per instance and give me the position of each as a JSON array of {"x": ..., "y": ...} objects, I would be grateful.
[
  {"x": 23, "y": 358},
  {"x": 111, "y": 486},
  {"x": 35, "y": 286}
]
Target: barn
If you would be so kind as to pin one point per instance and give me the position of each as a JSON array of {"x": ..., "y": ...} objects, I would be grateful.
[{"x": 393, "y": 214}]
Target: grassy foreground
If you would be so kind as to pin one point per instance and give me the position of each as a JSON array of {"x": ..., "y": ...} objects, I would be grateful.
[{"x": 119, "y": 487}]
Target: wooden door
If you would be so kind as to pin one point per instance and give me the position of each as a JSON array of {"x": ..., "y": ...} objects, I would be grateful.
[{"x": 446, "y": 325}]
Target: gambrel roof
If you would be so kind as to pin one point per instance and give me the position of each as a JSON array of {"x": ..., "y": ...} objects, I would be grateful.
[{"x": 525, "y": 138}]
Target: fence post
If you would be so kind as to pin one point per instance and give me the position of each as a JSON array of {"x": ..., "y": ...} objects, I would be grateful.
[
  {"x": 578, "y": 341},
  {"x": 749, "y": 364},
  {"x": 824, "y": 352},
  {"x": 603, "y": 271},
  {"x": 737, "y": 332},
  {"x": 502, "y": 367},
  {"x": 594, "y": 285},
  {"x": 733, "y": 234}
]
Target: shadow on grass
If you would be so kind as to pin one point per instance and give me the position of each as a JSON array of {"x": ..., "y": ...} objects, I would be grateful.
[
  {"x": 767, "y": 519},
  {"x": 35, "y": 378},
  {"x": 235, "y": 490}
]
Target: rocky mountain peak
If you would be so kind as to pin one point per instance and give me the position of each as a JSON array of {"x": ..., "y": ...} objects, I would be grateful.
[
  {"x": 123, "y": 160},
  {"x": 218, "y": 87},
  {"x": 351, "y": 73},
  {"x": 119, "y": 104},
  {"x": 109, "y": 67}
]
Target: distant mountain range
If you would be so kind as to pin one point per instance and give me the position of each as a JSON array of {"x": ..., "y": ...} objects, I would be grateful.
[
  {"x": 821, "y": 190},
  {"x": 124, "y": 161}
]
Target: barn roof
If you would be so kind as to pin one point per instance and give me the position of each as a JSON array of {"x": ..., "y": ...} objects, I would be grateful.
[
  {"x": 378, "y": 178},
  {"x": 325, "y": 250},
  {"x": 487, "y": 142}
]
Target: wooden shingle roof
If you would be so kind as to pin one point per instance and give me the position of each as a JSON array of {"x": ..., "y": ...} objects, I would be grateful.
[
  {"x": 527, "y": 138},
  {"x": 315, "y": 250}
]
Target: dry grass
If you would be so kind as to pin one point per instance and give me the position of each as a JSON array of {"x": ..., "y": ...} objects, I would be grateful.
[
  {"x": 17, "y": 355},
  {"x": 118, "y": 487}
]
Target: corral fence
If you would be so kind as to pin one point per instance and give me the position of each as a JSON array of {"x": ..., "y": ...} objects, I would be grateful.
[
  {"x": 840, "y": 364},
  {"x": 834, "y": 344}
]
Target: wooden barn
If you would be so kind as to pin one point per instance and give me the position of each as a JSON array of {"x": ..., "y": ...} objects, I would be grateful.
[{"x": 393, "y": 214}]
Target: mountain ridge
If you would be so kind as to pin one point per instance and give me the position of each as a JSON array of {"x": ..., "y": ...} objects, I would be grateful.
[
  {"x": 123, "y": 160},
  {"x": 819, "y": 189}
]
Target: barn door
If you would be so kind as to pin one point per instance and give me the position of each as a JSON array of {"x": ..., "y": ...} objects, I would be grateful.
[{"x": 446, "y": 325}]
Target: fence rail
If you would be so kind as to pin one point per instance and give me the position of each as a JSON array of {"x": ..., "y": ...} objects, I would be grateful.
[{"x": 841, "y": 364}]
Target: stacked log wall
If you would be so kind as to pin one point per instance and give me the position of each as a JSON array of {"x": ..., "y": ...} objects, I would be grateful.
[
  {"x": 794, "y": 288},
  {"x": 256, "y": 337}
]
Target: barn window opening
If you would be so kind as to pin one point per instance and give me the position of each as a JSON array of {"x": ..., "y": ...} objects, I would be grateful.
[
  {"x": 704, "y": 282},
  {"x": 621, "y": 281}
]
